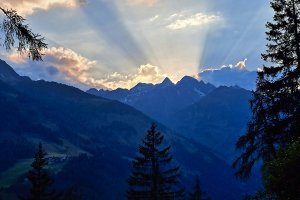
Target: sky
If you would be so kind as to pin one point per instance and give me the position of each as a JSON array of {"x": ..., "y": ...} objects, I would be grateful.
[{"x": 118, "y": 43}]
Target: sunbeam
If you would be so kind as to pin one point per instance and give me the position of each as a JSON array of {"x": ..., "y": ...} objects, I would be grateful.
[
  {"x": 110, "y": 25},
  {"x": 177, "y": 37},
  {"x": 240, "y": 37},
  {"x": 244, "y": 35}
]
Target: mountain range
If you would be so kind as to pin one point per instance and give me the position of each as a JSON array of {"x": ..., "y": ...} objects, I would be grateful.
[
  {"x": 162, "y": 100},
  {"x": 214, "y": 116},
  {"x": 91, "y": 140}
]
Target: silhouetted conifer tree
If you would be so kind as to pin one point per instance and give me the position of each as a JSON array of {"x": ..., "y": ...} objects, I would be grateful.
[
  {"x": 198, "y": 193},
  {"x": 276, "y": 101},
  {"x": 14, "y": 28},
  {"x": 39, "y": 178},
  {"x": 153, "y": 177}
]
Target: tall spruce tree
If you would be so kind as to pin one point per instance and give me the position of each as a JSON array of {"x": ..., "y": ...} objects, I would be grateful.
[
  {"x": 276, "y": 102},
  {"x": 153, "y": 176},
  {"x": 198, "y": 193},
  {"x": 39, "y": 178}
]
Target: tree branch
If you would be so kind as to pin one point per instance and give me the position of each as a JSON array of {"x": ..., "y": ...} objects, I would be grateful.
[{"x": 14, "y": 30}]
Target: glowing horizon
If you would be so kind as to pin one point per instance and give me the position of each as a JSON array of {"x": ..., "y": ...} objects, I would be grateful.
[{"x": 111, "y": 44}]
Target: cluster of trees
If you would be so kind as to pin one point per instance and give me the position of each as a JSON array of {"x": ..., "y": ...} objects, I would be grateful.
[
  {"x": 274, "y": 131},
  {"x": 153, "y": 177}
]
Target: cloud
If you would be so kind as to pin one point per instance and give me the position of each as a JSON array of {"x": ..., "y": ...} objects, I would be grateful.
[
  {"x": 152, "y": 19},
  {"x": 68, "y": 62},
  {"x": 142, "y": 2},
  {"x": 148, "y": 70},
  {"x": 64, "y": 65},
  {"x": 52, "y": 70},
  {"x": 28, "y": 7},
  {"x": 230, "y": 75},
  {"x": 145, "y": 74},
  {"x": 17, "y": 58},
  {"x": 174, "y": 16},
  {"x": 179, "y": 21},
  {"x": 241, "y": 64}
]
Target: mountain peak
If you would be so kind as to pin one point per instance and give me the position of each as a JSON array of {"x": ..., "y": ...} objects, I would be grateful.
[
  {"x": 93, "y": 91},
  {"x": 187, "y": 80},
  {"x": 7, "y": 74},
  {"x": 166, "y": 82},
  {"x": 142, "y": 86}
]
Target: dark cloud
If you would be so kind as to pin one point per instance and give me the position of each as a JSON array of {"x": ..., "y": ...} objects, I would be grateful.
[{"x": 52, "y": 70}]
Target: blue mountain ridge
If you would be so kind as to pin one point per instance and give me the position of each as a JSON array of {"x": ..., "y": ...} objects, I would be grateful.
[{"x": 162, "y": 100}]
